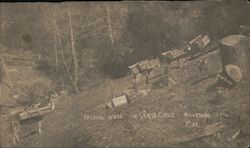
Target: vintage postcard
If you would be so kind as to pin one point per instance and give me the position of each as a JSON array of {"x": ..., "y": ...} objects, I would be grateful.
[{"x": 136, "y": 74}]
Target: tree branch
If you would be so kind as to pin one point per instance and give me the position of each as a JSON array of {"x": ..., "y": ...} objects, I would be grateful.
[
  {"x": 89, "y": 24},
  {"x": 109, "y": 24}
]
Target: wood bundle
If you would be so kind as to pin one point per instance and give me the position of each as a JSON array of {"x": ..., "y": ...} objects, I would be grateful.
[{"x": 35, "y": 112}]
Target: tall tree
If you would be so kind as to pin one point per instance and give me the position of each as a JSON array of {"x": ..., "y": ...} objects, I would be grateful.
[{"x": 68, "y": 25}]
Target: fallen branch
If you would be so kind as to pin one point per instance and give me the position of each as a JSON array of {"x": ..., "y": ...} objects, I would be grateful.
[
  {"x": 208, "y": 130},
  {"x": 235, "y": 135}
]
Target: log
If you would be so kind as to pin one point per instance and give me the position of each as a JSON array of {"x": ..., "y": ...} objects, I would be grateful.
[
  {"x": 35, "y": 112},
  {"x": 234, "y": 51},
  {"x": 12, "y": 113},
  {"x": 26, "y": 115},
  {"x": 235, "y": 135},
  {"x": 208, "y": 130},
  {"x": 233, "y": 72}
]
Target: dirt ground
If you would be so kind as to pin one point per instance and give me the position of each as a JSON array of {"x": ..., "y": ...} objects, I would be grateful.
[{"x": 69, "y": 126}]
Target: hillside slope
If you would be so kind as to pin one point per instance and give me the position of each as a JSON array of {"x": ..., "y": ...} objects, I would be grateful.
[{"x": 82, "y": 120}]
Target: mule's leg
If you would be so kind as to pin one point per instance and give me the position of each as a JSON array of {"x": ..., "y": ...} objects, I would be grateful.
[
  {"x": 134, "y": 80},
  {"x": 16, "y": 128},
  {"x": 40, "y": 127},
  {"x": 17, "y": 137},
  {"x": 137, "y": 80}
]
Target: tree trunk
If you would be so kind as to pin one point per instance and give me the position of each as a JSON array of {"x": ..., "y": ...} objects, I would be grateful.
[
  {"x": 74, "y": 54},
  {"x": 3, "y": 70},
  {"x": 56, "y": 41},
  {"x": 56, "y": 52},
  {"x": 109, "y": 25},
  {"x": 61, "y": 49}
]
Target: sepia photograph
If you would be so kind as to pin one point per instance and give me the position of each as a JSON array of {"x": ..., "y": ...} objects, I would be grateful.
[{"x": 125, "y": 74}]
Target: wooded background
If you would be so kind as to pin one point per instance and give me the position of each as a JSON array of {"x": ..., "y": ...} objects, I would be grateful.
[{"x": 80, "y": 42}]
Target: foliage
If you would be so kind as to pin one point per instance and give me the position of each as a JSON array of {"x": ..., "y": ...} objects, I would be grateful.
[{"x": 79, "y": 42}]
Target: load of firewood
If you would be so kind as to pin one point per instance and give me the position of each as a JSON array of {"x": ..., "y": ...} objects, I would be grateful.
[{"x": 36, "y": 110}]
